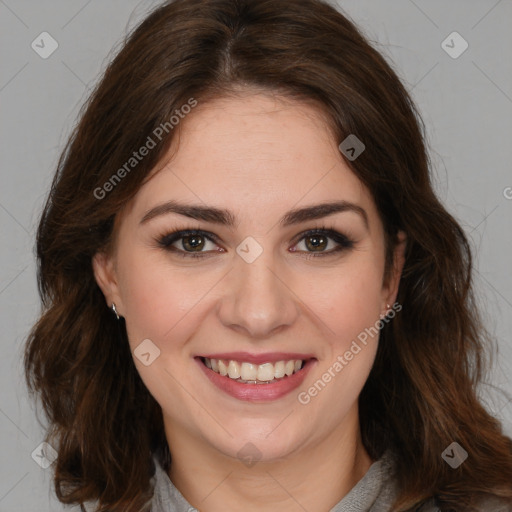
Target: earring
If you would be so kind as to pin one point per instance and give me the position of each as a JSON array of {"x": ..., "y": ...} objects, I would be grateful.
[
  {"x": 384, "y": 315},
  {"x": 113, "y": 307}
]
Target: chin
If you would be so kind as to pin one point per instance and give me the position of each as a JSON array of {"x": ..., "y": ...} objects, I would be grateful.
[{"x": 264, "y": 444}]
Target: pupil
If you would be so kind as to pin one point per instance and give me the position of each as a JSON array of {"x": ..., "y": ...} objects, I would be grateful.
[
  {"x": 316, "y": 242},
  {"x": 193, "y": 242}
]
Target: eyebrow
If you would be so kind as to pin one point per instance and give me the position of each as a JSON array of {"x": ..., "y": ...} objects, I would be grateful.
[{"x": 226, "y": 218}]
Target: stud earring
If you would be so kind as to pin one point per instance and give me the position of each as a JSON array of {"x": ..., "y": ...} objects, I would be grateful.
[
  {"x": 385, "y": 314},
  {"x": 113, "y": 307}
]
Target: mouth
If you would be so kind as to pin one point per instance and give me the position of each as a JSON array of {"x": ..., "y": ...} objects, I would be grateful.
[
  {"x": 256, "y": 378},
  {"x": 249, "y": 373}
]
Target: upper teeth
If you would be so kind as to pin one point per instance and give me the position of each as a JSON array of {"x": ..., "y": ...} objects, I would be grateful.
[{"x": 248, "y": 372}]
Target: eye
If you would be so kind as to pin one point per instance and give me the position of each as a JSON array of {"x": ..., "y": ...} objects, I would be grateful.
[
  {"x": 322, "y": 242},
  {"x": 190, "y": 243},
  {"x": 198, "y": 244}
]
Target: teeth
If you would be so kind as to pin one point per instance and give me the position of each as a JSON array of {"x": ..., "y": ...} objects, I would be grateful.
[
  {"x": 249, "y": 371},
  {"x": 279, "y": 369},
  {"x": 223, "y": 369},
  {"x": 266, "y": 371},
  {"x": 253, "y": 373},
  {"x": 233, "y": 370}
]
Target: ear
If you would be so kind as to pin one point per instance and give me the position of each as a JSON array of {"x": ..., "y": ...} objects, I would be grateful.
[
  {"x": 106, "y": 277},
  {"x": 390, "y": 286}
]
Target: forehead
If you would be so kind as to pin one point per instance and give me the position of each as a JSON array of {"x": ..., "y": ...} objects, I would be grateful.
[{"x": 256, "y": 154}]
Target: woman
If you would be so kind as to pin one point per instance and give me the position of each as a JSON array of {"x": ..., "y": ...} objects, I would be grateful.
[{"x": 252, "y": 297}]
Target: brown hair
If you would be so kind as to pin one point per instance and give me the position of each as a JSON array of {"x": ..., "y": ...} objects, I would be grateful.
[{"x": 421, "y": 393}]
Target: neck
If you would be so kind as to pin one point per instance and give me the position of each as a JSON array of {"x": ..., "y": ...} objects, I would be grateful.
[{"x": 315, "y": 477}]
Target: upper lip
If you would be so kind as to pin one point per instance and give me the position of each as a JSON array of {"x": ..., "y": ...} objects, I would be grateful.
[{"x": 268, "y": 357}]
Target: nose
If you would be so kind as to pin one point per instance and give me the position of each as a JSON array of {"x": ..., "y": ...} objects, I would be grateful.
[{"x": 258, "y": 301}]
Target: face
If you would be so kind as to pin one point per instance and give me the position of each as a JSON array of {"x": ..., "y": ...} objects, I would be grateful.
[{"x": 226, "y": 261}]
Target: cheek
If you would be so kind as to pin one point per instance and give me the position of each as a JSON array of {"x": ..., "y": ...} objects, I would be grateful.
[
  {"x": 348, "y": 299},
  {"x": 160, "y": 302},
  {"x": 349, "y": 304},
  {"x": 151, "y": 305}
]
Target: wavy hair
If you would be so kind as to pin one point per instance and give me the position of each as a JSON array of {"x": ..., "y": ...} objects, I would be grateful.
[{"x": 421, "y": 394}]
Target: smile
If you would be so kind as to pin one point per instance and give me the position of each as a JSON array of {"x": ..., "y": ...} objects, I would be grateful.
[
  {"x": 256, "y": 378},
  {"x": 249, "y": 373}
]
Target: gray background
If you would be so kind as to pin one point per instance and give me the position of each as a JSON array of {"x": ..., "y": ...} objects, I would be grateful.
[{"x": 466, "y": 103}]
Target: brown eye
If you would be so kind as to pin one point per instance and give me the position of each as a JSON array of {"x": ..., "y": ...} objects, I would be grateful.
[
  {"x": 322, "y": 242},
  {"x": 190, "y": 243},
  {"x": 193, "y": 243},
  {"x": 316, "y": 242}
]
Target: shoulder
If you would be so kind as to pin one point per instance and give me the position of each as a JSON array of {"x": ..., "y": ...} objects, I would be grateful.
[{"x": 387, "y": 467}]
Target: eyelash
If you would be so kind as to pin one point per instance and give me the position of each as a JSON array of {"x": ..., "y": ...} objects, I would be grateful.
[{"x": 342, "y": 240}]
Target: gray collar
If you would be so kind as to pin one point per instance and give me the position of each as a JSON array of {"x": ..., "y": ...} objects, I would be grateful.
[{"x": 375, "y": 492}]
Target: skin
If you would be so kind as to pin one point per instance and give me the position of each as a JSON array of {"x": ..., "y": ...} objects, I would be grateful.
[{"x": 258, "y": 156}]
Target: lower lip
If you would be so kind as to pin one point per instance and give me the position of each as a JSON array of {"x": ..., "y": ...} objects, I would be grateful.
[{"x": 258, "y": 392}]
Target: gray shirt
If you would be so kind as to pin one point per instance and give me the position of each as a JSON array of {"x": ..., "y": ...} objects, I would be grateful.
[{"x": 373, "y": 493}]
